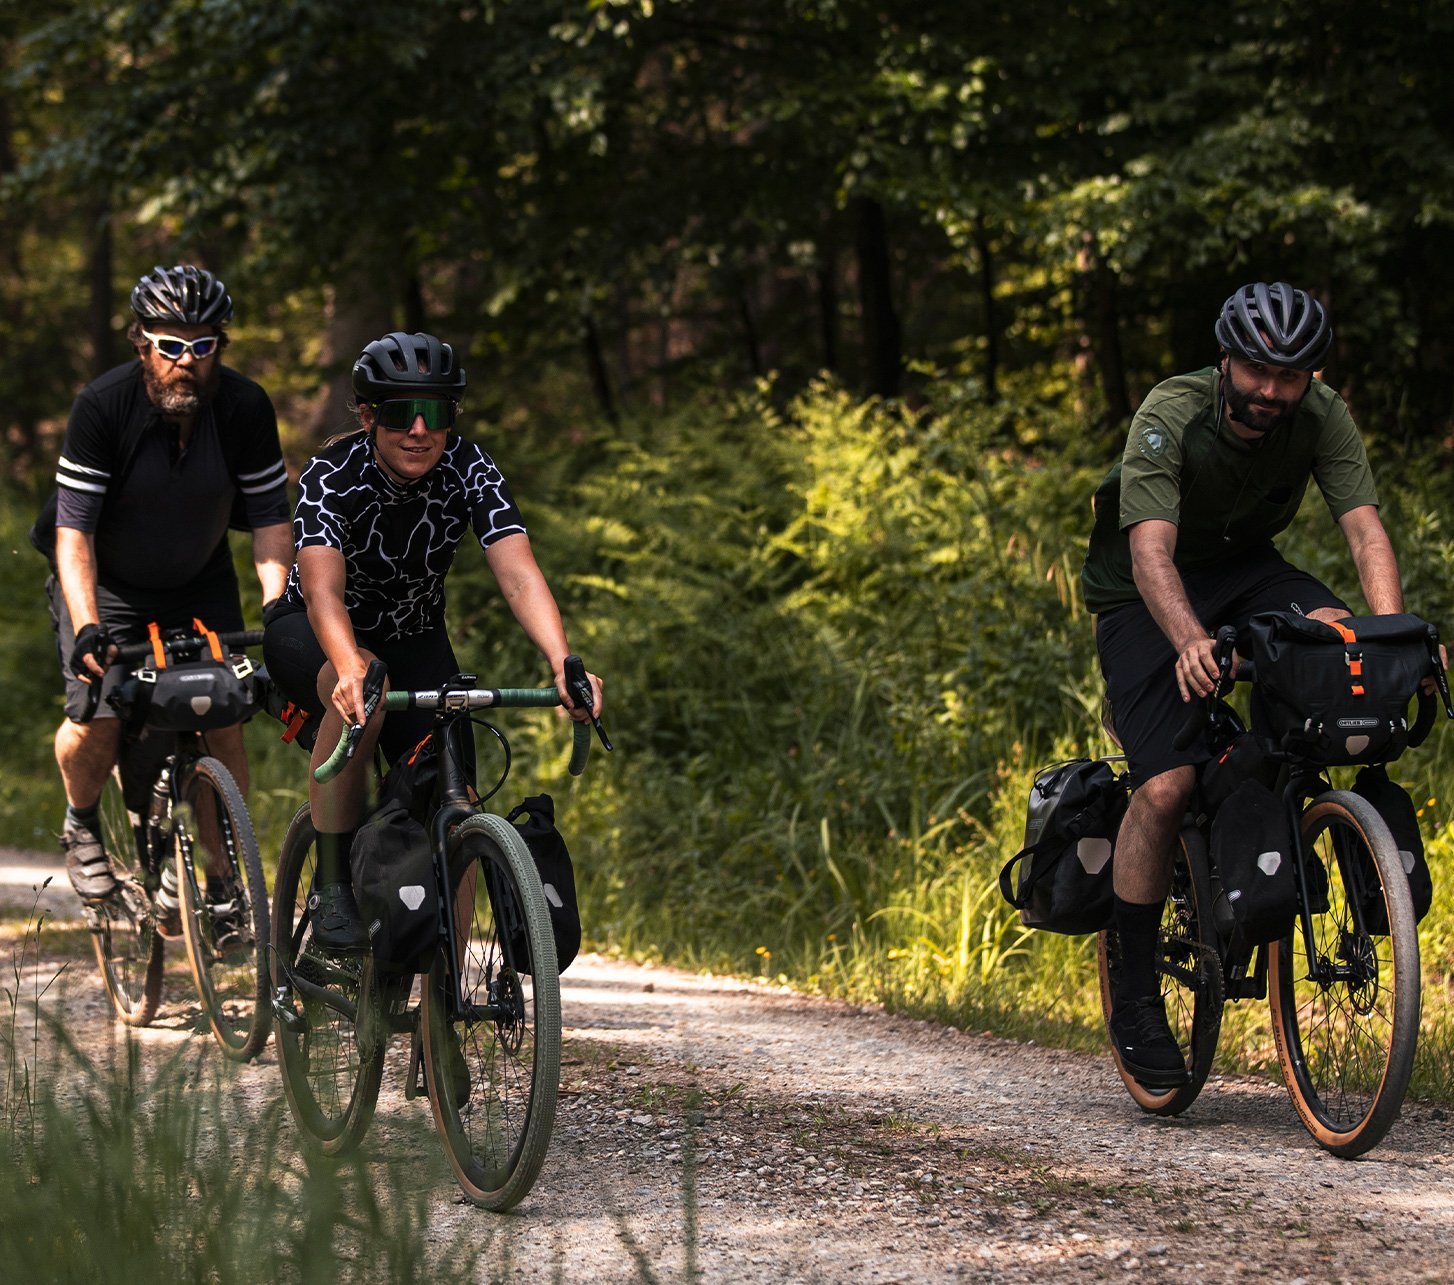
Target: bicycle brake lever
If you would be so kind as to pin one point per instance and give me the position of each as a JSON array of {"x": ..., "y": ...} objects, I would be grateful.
[
  {"x": 579, "y": 687},
  {"x": 1441, "y": 677},
  {"x": 373, "y": 691}
]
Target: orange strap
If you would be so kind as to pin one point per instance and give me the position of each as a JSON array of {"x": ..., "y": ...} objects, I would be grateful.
[
  {"x": 158, "y": 650},
  {"x": 213, "y": 642},
  {"x": 294, "y": 716},
  {"x": 1354, "y": 658}
]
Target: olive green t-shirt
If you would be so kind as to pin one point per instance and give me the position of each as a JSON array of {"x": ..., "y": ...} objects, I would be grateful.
[{"x": 1227, "y": 497}]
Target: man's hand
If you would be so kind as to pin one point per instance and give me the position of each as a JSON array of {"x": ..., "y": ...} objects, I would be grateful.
[
  {"x": 92, "y": 653},
  {"x": 1196, "y": 668}
]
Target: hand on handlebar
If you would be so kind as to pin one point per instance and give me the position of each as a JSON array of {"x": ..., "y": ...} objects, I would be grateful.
[
  {"x": 93, "y": 653},
  {"x": 582, "y": 705},
  {"x": 1197, "y": 673}
]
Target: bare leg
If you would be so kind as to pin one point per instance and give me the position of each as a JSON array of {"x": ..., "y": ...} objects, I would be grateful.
[
  {"x": 1143, "y": 847},
  {"x": 85, "y": 754}
]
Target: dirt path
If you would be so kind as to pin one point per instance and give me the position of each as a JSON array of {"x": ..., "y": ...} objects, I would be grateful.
[{"x": 736, "y": 1132}]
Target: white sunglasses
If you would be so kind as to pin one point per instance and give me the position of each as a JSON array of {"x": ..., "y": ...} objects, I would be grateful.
[{"x": 172, "y": 348}]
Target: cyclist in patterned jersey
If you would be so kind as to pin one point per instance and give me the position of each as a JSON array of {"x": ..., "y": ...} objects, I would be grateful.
[{"x": 381, "y": 511}]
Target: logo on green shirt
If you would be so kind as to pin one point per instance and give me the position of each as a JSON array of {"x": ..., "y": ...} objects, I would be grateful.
[{"x": 1153, "y": 440}]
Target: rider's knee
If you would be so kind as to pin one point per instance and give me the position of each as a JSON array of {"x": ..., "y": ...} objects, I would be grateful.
[{"x": 1168, "y": 793}]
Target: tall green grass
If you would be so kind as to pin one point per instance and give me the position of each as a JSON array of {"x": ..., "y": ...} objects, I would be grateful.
[{"x": 838, "y": 638}]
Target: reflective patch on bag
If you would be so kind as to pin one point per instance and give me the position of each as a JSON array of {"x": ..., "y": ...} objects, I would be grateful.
[
  {"x": 1093, "y": 854},
  {"x": 412, "y": 896},
  {"x": 1269, "y": 863}
]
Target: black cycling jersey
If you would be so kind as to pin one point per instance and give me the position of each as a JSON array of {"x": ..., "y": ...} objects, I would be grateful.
[
  {"x": 398, "y": 542},
  {"x": 160, "y": 516}
]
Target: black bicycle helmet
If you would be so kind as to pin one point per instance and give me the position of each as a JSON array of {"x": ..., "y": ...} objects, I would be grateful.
[
  {"x": 184, "y": 295},
  {"x": 404, "y": 365},
  {"x": 1277, "y": 325}
]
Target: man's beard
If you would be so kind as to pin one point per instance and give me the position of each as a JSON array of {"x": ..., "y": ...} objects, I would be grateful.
[
  {"x": 184, "y": 393},
  {"x": 1239, "y": 406}
]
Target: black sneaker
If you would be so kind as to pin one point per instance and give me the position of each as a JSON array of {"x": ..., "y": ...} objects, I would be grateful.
[
  {"x": 337, "y": 925},
  {"x": 87, "y": 864},
  {"x": 1144, "y": 1043}
]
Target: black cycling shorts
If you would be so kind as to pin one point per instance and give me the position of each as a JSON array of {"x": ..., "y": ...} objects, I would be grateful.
[
  {"x": 126, "y": 613},
  {"x": 294, "y": 658},
  {"x": 1139, "y": 662}
]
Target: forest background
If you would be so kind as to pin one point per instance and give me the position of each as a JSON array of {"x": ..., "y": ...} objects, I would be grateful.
[{"x": 804, "y": 330}]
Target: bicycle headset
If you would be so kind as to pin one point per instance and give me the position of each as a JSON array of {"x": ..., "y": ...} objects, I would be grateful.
[
  {"x": 1275, "y": 324},
  {"x": 184, "y": 295}
]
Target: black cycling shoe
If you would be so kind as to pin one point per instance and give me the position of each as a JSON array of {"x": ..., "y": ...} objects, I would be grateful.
[
  {"x": 87, "y": 864},
  {"x": 1144, "y": 1043},
  {"x": 337, "y": 925}
]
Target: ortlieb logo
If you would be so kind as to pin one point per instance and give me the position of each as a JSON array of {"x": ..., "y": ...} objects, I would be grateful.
[{"x": 1357, "y": 724}]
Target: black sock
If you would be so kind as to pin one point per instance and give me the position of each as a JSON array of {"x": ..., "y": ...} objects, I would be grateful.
[
  {"x": 333, "y": 852},
  {"x": 87, "y": 818},
  {"x": 216, "y": 887},
  {"x": 1137, "y": 925}
]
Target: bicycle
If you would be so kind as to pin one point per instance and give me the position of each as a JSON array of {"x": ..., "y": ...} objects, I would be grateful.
[
  {"x": 178, "y": 831},
  {"x": 486, "y": 1030},
  {"x": 1344, "y": 996}
]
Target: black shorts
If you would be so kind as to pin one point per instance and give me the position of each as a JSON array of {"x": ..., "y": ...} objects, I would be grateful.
[
  {"x": 1139, "y": 663},
  {"x": 294, "y": 658},
  {"x": 126, "y": 613}
]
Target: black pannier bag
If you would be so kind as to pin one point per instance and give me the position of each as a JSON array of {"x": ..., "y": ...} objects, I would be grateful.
[
  {"x": 394, "y": 885},
  {"x": 1247, "y": 757},
  {"x": 190, "y": 696},
  {"x": 1339, "y": 694},
  {"x": 557, "y": 875},
  {"x": 1252, "y": 852},
  {"x": 1393, "y": 804},
  {"x": 1064, "y": 883}
]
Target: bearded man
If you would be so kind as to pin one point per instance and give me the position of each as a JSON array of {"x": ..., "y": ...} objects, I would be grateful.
[
  {"x": 1215, "y": 466},
  {"x": 160, "y": 456}
]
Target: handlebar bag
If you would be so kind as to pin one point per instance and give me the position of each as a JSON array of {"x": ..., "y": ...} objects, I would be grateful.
[
  {"x": 396, "y": 890},
  {"x": 192, "y": 697},
  {"x": 1252, "y": 852},
  {"x": 1339, "y": 694},
  {"x": 1064, "y": 877},
  {"x": 557, "y": 875}
]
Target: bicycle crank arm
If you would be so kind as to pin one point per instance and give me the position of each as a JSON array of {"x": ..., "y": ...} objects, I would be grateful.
[{"x": 315, "y": 992}]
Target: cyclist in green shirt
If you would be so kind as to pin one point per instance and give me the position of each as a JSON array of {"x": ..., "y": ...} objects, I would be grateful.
[{"x": 1216, "y": 464}]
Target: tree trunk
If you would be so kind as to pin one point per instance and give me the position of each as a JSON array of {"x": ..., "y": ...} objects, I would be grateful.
[
  {"x": 987, "y": 307},
  {"x": 596, "y": 362},
  {"x": 882, "y": 335},
  {"x": 359, "y": 308},
  {"x": 99, "y": 264},
  {"x": 749, "y": 326},
  {"x": 1103, "y": 324}
]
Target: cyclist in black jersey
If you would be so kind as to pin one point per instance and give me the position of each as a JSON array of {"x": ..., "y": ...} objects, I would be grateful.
[
  {"x": 380, "y": 514},
  {"x": 160, "y": 456}
]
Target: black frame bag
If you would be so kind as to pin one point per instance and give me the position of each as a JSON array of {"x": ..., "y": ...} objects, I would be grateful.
[
  {"x": 557, "y": 875},
  {"x": 1074, "y": 814},
  {"x": 1339, "y": 694}
]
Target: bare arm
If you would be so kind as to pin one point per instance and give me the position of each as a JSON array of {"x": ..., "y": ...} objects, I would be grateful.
[
  {"x": 1374, "y": 558},
  {"x": 322, "y": 574},
  {"x": 76, "y": 571},
  {"x": 1159, "y": 582},
  {"x": 272, "y": 555},
  {"x": 533, "y": 605}
]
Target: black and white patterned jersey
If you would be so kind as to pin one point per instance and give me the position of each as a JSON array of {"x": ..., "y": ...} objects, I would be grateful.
[
  {"x": 398, "y": 542},
  {"x": 160, "y": 516}
]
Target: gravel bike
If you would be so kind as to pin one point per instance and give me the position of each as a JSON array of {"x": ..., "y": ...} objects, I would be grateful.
[
  {"x": 181, "y": 842},
  {"x": 1343, "y": 985},
  {"x": 486, "y": 1032}
]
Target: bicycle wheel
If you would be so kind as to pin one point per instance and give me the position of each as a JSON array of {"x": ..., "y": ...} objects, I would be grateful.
[
  {"x": 1191, "y": 978},
  {"x": 1345, "y": 1002},
  {"x": 226, "y": 934},
  {"x": 493, "y": 1071},
  {"x": 129, "y": 950},
  {"x": 331, "y": 1081}
]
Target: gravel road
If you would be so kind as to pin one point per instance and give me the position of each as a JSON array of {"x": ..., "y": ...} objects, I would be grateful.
[{"x": 723, "y": 1130}]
